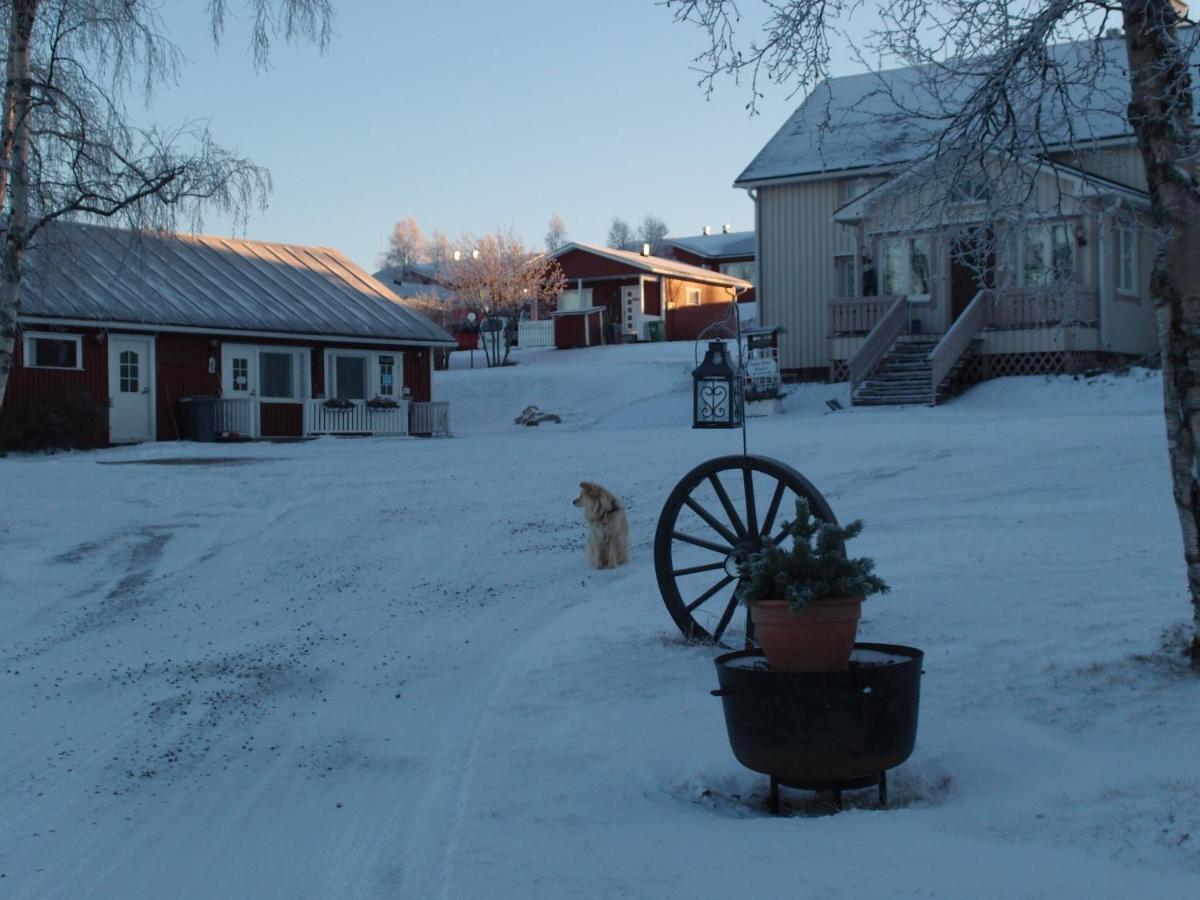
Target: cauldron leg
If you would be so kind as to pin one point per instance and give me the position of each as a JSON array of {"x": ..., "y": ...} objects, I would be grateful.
[
  {"x": 883, "y": 798},
  {"x": 773, "y": 800}
]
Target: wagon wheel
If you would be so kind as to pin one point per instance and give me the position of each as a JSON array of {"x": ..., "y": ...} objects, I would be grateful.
[{"x": 714, "y": 518}]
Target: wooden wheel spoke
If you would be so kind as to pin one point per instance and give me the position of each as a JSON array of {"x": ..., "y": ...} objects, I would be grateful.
[
  {"x": 728, "y": 504},
  {"x": 726, "y": 617},
  {"x": 692, "y": 570},
  {"x": 773, "y": 509},
  {"x": 751, "y": 512},
  {"x": 691, "y": 607},
  {"x": 712, "y": 520},
  {"x": 700, "y": 542}
]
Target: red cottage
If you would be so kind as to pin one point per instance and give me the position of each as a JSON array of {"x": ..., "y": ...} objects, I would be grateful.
[
  {"x": 731, "y": 252},
  {"x": 621, "y": 295},
  {"x": 138, "y": 321}
]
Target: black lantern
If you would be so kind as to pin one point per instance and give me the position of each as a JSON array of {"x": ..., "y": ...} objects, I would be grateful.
[{"x": 716, "y": 391}]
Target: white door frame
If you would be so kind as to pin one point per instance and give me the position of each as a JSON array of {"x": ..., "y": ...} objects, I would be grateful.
[
  {"x": 150, "y": 378},
  {"x": 637, "y": 324}
]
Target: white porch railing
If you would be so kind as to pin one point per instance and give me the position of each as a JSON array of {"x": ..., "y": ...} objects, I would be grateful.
[
  {"x": 878, "y": 342},
  {"x": 233, "y": 416},
  {"x": 535, "y": 334},
  {"x": 954, "y": 343},
  {"x": 431, "y": 419},
  {"x": 358, "y": 418}
]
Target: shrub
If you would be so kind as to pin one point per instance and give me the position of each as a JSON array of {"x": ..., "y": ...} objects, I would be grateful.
[{"x": 71, "y": 420}]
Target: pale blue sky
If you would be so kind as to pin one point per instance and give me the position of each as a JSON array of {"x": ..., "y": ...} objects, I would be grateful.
[{"x": 469, "y": 116}]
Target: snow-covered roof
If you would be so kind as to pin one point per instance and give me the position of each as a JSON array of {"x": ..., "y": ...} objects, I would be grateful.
[
  {"x": 656, "y": 265},
  {"x": 717, "y": 246},
  {"x": 87, "y": 272},
  {"x": 877, "y": 120}
]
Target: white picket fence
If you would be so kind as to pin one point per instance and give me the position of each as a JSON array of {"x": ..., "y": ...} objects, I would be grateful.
[{"x": 531, "y": 334}]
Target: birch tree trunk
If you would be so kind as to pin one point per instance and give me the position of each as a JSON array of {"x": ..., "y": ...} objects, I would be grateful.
[
  {"x": 1160, "y": 112},
  {"x": 14, "y": 177}
]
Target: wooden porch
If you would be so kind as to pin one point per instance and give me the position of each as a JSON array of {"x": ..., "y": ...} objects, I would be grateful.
[
  {"x": 241, "y": 418},
  {"x": 1007, "y": 309}
]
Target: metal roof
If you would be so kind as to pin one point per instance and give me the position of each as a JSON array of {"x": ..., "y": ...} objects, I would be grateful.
[
  {"x": 88, "y": 272},
  {"x": 656, "y": 265},
  {"x": 876, "y": 120},
  {"x": 717, "y": 246}
]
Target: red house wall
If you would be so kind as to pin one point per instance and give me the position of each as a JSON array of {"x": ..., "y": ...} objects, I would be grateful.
[
  {"x": 581, "y": 264},
  {"x": 41, "y": 385},
  {"x": 569, "y": 331},
  {"x": 183, "y": 372}
]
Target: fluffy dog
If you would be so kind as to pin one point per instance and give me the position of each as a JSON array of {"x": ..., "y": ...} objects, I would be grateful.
[{"x": 608, "y": 534}]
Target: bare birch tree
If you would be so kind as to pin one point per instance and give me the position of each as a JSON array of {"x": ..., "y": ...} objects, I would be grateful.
[
  {"x": 503, "y": 276},
  {"x": 69, "y": 148},
  {"x": 620, "y": 235},
  {"x": 1011, "y": 96},
  {"x": 556, "y": 233},
  {"x": 653, "y": 231},
  {"x": 406, "y": 244}
]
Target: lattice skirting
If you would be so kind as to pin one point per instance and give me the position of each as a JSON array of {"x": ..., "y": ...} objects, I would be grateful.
[{"x": 998, "y": 365}]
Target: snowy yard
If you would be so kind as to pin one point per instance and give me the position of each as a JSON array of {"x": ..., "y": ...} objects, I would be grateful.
[{"x": 381, "y": 668}]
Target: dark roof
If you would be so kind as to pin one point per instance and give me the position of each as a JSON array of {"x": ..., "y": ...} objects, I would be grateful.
[
  {"x": 725, "y": 245},
  {"x": 104, "y": 274}
]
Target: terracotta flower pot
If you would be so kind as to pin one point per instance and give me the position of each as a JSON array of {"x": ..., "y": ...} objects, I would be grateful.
[{"x": 818, "y": 638}]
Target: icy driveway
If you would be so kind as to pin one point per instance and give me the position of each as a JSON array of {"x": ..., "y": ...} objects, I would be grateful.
[{"x": 380, "y": 668}]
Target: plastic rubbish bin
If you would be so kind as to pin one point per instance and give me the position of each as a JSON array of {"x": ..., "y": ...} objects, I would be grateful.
[
  {"x": 656, "y": 330},
  {"x": 198, "y": 419}
]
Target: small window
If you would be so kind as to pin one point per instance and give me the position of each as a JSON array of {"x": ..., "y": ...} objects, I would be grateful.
[
  {"x": 387, "y": 375},
  {"x": 129, "y": 371},
  {"x": 276, "y": 375},
  {"x": 747, "y": 270},
  {"x": 1127, "y": 274},
  {"x": 969, "y": 189},
  {"x": 854, "y": 188},
  {"x": 53, "y": 351},
  {"x": 241, "y": 374},
  {"x": 693, "y": 296}
]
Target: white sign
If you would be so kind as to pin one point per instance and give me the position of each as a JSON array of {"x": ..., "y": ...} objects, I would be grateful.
[{"x": 762, "y": 369}]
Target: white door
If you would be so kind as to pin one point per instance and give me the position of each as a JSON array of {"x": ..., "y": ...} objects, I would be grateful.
[
  {"x": 130, "y": 389},
  {"x": 631, "y": 309}
]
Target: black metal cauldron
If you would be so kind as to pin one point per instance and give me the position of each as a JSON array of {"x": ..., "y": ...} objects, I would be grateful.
[{"x": 823, "y": 731}]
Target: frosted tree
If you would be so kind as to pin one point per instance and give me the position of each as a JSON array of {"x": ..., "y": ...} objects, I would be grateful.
[
  {"x": 406, "y": 244},
  {"x": 1006, "y": 94},
  {"x": 440, "y": 249},
  {"x": 653, "y": 231},
  {"x": 620, "y": 235},
  {"x": 556, "y": 233},
  {"x": 69, "y": 147},
  {"x": 500, "y": 274}
]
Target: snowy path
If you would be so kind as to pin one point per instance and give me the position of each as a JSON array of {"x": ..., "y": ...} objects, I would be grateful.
[{"x": 381, "y": 668}]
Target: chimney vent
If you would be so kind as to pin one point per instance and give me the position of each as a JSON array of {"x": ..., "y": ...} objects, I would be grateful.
[
  {"x": 727, "y": 228},
  {"x": 645, "y": 249},
  {"x": 706, "y": 230}
]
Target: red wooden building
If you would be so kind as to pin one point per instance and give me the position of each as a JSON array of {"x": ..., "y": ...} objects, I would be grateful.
[
  {"x": 731, "y": 252},
  {"x": 621, "y": 295},
  {"x": 138, "y": 321}
]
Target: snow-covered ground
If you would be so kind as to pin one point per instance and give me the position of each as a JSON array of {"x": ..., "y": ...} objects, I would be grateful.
[{"x": 381, "y": 668}]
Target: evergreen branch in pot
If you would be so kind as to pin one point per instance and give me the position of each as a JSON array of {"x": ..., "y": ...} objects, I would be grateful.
[{"x": 805, "y": 599}]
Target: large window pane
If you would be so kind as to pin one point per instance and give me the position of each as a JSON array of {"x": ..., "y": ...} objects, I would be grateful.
[
  {"x": 918, "y": 276},
  {"x": 1063, "y": 252},
  {"x": 51, "y": 353},
  {"x": 894, "y": 266},
  {"x": 1034, "y": 267},
  {"x": 351, "y": 380},
  {"x": 275, "y": 374}
]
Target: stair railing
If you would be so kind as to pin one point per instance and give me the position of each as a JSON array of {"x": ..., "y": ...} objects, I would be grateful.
[
  {"x": 954, "y": 343},
  {"x": 879, "y": 341}
]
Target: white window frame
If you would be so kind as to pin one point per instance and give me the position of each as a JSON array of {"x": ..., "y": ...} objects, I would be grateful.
[
  {"x": 738, "y": 270},
  {"x": 579, "y": 299},
  {"x": 374, "y": 381},
  {"x": 299, "y": 372},
  {"x": 854, "y": 188},
  {"x": 693, "y": 292},
  {"x": 27, "y": 349},
  {"x": 1047, "y": 242},
  {"x": 906, "y": 279},
  {"x": 846, "y": 263},
  {"x": 1127, "y": 242}
]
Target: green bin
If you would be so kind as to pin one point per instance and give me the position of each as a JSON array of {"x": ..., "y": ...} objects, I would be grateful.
[{"x": 656, "y": 330}]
